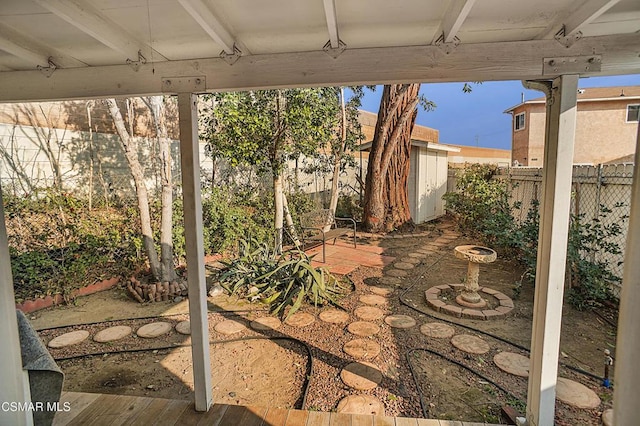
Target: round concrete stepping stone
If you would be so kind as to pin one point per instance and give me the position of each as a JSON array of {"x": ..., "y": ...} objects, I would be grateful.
[
  {"x": 112, "y": 333},
  {"x": 437, "y": 330},
  {"x": 361, "y": 404},
  {"x": 361, "y": 375},
  {"x": 392, "y": 281},
  {"x": 576, "y": 394},
  {"x": 300, "y": 319},
  {"x": 411, "y": 260},
  {"x": 397, "y": 273},
  {"x": 334, "y": 316},
  {"x": 373, "y": 299},
  {"x": 470, "y": 344},
  {"x": 369, "y": 313},
  {"x": 363, "y": 328},
  {"x": 427, "y": 251},
  {"x": 154, "y": 329},
  {"x": 229, "y": 327},
  {"x": 362, "y": 348},
  {"x": 416, "y": 255},
  {"x": 184, "y": 327},
  {"x": 403, "y": 265},
  {"x": 400, "y": 321},
  {"x": 512, "y": 363},
  {"x": 607, "y": 417},
  {"x": 381, "y": 291},
  {"x": 68, "y": 339},
  {"x": 265, "y": 323}
]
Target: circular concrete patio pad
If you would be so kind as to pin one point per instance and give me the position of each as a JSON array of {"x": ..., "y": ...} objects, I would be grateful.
[
  {"x": 361, "y": 404},
  {"x": 416, "y": 255},
  {"x": 369, "y": 313},
  {"x": 380, "y": 290},
  {"x": 437, "y": 330},
  {"x": 362, "y": 348},
  {"x": 154, "y": 329},
  {"x": 112, "y": 334},
  {"x": 265, "y": 323},
  {"x": 373, "y": 299},
  {"x": 576, "y": 394},
  {"x": 334, "y": 316},
  {"x": 607, "y": 417},
  {"x": 403, "y": 265},
  {"x": 470, "y": 344},
  {"x": 229, "y": 327},
  {"x": 400, "y": 321},
  {"x": 412, "y": 260},
  {"x": 391, "y": 281},
  {"x": 363, "y": 328},
  {"x": 512, "y": 363},
  {"x": 396, "y": 273},
  {"x": 361, "y": 375},
  {"x": 184, "y": 327},
  {"x": 68, "y": 339},
  {"x": 300, "y": 319}
]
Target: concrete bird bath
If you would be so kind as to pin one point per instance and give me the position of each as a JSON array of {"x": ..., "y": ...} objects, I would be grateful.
[{"x": 475, "y": 255}]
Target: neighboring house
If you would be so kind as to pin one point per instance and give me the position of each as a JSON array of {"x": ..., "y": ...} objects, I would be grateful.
[
  {"x": 474, "y": 154},
  {"x": 606, "y": 127}
]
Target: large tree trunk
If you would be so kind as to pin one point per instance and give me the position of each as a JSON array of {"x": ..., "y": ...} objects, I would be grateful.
[
  {"x": 386, "y": 205},
  {"x": 166, "y": 220},
  {"x": 130, "y": 146}
]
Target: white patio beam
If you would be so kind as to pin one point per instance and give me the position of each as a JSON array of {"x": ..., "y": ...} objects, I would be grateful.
[
  {"x": 332, "y": 23},
  {"x": 581, "y": 14},
  {"x": 467, "y": 62},
  {"x": 453, "y": 19},
  {"x": 552, "y": 245},
  {"x": 201, "y": 13},
  {"x": 627, "y": 373},
  {"x": 194, "y": 247},
  {"x": 21, "y": 46},
  {"x": 14, "y": 381},
  {"x": 90, "y": 21}
]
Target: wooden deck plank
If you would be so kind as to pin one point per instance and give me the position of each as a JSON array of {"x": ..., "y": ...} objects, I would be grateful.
[
  {"x": 102, "y": 411},
  {"x": 240, "y": 415},
  {"x": 78, "y": 402},
  {"x": 384, "y": 421},
  {"x": 131, "y": 408},
  {"x": 340, "y": 419},
  {"x": 150, "y": 413},
  {"x": 361, "y": 420},
  {"x": 189, "y": 417},
  {"x": 318, "y": 418},
  {"x": 214, "y": 415},
  {"x": 406, "y": 421},
  {"x": 172, "y": 412},
  {"x": 297, "y": 418},
  {"x": 275, "y": 417}
]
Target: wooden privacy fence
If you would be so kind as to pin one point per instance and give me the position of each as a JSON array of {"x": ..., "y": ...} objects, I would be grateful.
[{"x": 593, "y": 188}]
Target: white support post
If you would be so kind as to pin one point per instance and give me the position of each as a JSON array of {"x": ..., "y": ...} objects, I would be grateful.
[
  {"x": 14, "y": 382},
  {"x": 190, "y": 162},
  {"x": 627, "y": 373},
  {"x": 552, "y": 249}
]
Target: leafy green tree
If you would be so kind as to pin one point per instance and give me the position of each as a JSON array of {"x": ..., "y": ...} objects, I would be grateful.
[{"x": 267, "y": 128}]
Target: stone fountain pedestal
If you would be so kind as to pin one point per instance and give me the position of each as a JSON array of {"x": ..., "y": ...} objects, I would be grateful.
[{"x": 476, "y": 255}]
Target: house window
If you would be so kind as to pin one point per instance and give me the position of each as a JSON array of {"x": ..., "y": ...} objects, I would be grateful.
[
  {"x": 518, "y": 123},
  {"x": 633, "y": 113}
]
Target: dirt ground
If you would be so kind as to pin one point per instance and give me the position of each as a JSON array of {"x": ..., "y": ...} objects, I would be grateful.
[{"x": 446, "y": 383}]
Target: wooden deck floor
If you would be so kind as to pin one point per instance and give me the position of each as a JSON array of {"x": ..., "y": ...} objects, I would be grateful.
[{"x": 101, "y": 410}]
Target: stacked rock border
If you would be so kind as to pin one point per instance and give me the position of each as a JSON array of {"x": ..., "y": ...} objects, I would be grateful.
[{"x": 433, "y": 300}]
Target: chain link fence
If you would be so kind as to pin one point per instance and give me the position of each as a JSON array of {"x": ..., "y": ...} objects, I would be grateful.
[{"x": 599, "y": 195}]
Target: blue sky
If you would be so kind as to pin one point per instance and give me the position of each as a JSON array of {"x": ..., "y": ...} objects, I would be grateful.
[{"x": 477, "y": 118}]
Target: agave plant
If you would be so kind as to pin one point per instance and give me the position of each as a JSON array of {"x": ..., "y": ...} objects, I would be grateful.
[{"x": 279, "y": 280}]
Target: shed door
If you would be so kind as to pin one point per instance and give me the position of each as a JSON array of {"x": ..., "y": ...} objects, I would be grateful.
[{"x": 431, "y": 186}]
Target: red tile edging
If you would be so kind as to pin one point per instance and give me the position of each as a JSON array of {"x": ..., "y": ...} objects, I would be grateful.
[{"x": 46, "y": 302}]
